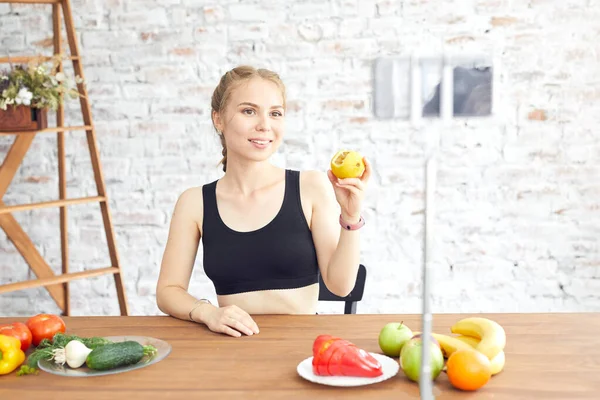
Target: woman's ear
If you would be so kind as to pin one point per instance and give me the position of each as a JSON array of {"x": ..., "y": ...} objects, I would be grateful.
[{"x": 217, "y": 121}]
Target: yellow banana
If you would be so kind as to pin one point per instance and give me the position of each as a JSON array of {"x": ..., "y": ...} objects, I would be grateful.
[
  {"x": 492, "y": 335},
  {"x": 449, "y": 344},
  {"x": 497, "y": 362},
  {"x": 473, "y": 341}
]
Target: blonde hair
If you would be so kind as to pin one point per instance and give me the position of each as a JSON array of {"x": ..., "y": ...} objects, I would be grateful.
[{"x": 231, "y": 80}]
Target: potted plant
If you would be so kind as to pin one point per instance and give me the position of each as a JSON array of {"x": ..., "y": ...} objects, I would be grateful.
[{"x": 28, "y": 91}]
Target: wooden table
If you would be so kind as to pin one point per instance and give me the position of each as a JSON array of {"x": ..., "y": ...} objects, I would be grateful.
[{"x": 549, "y": 356}]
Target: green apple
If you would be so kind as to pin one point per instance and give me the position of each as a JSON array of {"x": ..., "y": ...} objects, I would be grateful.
[
  {"x": 410, "y": 358},
  {"x": 392, "y": 337}
]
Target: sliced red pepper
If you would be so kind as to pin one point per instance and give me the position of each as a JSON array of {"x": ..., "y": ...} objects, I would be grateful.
[
  {"x": 319, "y": 341},
  {"x": 360, "y": 363},
  {"x": 335, "y": 362},
  {"x": 324, "y": 360},
  {"x": 338, "y": 357},
  {"x": 320, "y": 345}
]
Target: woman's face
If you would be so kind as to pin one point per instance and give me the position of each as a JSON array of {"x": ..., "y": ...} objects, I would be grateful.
[{"x": 253, "y": 122}]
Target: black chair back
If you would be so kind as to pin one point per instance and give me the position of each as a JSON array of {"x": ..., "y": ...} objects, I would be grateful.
[{"x": 353, "y": 297}]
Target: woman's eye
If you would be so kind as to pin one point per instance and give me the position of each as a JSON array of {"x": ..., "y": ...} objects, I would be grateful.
[
  {"x": 247, "y": 111},
  {"x": 278, "y": 114}
]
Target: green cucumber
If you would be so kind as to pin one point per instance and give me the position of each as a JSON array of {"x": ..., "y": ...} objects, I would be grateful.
[{"x": 115, "y": 355}]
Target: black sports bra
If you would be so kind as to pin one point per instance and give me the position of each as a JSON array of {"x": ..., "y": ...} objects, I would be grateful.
[{"x": 280, "y": 255}]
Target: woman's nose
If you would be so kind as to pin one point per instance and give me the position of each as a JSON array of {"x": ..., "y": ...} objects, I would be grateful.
[{"x": 263, "y": 124}]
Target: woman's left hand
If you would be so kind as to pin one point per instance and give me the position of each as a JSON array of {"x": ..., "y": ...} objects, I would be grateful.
[{"x": 350, "y": 193}]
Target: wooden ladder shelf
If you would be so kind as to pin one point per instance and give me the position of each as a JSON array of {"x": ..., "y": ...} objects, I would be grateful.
[{"x": 57, "y": 285}]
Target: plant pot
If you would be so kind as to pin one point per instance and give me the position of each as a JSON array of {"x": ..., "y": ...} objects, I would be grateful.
[{"x": 22, "y": 119}]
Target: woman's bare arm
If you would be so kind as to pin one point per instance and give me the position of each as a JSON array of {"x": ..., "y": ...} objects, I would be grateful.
[
  {"x": 338, "y": 249},
  {"x": 172, "y": 295}
]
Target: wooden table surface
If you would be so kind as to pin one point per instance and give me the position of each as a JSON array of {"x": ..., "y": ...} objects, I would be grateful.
[{"x": 548, "y": 356}]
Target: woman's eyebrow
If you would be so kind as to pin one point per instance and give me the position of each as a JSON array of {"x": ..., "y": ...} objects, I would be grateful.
[{"x": 245, "y": 103}]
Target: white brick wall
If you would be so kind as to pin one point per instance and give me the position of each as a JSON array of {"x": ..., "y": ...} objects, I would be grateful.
[{"x": 519, "y": 215}]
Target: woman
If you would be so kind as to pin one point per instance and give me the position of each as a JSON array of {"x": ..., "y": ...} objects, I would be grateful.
[{"x": 266, "y": 232}]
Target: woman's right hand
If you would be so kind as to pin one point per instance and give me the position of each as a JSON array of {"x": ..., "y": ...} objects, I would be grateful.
[{"x": 230, "y": 320}]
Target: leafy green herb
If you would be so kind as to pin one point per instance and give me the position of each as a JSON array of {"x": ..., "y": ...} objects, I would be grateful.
[
  {"x": 27, "y": 370},
  {"x": 61, "y": 340}
]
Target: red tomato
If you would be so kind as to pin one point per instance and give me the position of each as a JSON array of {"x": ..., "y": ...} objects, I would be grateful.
[
  {"x": 18, "y": 330},
  {"x": 44, "y": 326}
]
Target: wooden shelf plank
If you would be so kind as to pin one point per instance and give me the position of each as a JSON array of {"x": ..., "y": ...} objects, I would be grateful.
[
  {"x": 36, "y": 262},
  {"x": 11, "y": 287},
  {"x": 32, "y": 1},
  {"x": 52, "y": 203},
  {"x": 13, "y": 159},
  {"x": 26, "y": 59},
  {"x": 51, "y": 130}
]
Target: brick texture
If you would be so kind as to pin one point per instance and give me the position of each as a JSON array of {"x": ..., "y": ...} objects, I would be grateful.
[{"x": 518, "y": 211}]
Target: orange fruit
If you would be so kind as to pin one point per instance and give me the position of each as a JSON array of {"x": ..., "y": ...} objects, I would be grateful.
[
  {"x": 468, "y": 369},
  {"x": 347, "y": 164}
]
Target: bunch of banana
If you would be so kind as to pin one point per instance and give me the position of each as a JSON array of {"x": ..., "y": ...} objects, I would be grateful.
[
  {"x": 481, "y": 334},
  {"x": 491, "y": 334}
]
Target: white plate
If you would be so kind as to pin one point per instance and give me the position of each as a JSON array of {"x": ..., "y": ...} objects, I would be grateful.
[
  {"x": 389, "y": 366},
  {"x": 163, "y": 349}
]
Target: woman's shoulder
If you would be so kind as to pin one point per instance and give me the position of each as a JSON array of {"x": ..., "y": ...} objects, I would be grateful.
[
  {"x": 190, "y": 203},
  {"x": 194, "y": 196},
  {"x": 313, "y": 177},
  {"x": 316, "y": 184},
  {"x": 190, "y": 194}
]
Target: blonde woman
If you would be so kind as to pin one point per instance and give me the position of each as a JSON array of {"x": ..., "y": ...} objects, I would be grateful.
[{"x": 266, "y": 232}]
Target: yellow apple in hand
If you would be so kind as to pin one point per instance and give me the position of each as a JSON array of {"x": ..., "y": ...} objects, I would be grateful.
[{"x": 347, "y": 164}]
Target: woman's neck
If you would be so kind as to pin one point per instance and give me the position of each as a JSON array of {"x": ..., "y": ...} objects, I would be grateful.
[{"x": 247, "y": 178}]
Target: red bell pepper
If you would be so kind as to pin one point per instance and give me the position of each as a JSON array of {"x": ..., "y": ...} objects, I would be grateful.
[{"x": 334, "y": 356}]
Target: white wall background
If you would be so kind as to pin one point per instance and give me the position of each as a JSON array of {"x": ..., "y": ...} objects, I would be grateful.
[{"x": 519, "y": 215}]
